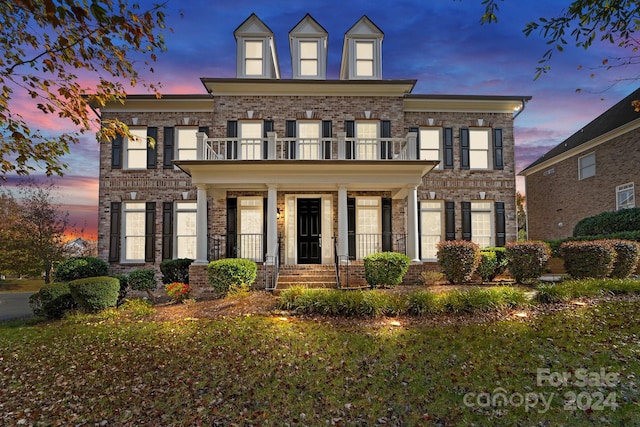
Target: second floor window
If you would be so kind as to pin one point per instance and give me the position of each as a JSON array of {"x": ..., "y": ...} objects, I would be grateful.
[
  {"x": 431, "y": 144},
  {"x": 309, "y": 140},
  {"x": 253, "y": 61},
  {"x": 251, "y": 136},
  {"x": 136, "y": 149},
  {"x": 587, "y": 166},
  {"x": 186, "y": 144},
  {"x": 367, "y": 140},
  {"x": 479, "y": 148},
  {"x": 625, "y": 197}
]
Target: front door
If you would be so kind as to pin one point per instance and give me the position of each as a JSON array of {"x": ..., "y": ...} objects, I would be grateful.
[{"x": 309, "y": 234}]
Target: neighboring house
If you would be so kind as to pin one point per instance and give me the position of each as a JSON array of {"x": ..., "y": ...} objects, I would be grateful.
[
  {"x": 305, "y": 170},
  {"x": 592, "y": 171}
]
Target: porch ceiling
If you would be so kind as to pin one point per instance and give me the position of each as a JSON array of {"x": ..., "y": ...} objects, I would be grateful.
[{"x": 316, "y": 175}]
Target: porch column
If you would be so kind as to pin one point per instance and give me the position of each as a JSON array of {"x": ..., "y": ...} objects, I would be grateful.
[
  {"x": 272, "y": 220},
  {"x": 271, "y": 145},
  {"x": 343, "y": 223},
  {"x": 201, "y": 227},
  {"x": 412, "y": 225},
  {"x": 342, "y": 145}
]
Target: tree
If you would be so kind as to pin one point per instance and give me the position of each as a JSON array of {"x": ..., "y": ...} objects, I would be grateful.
[
  {"x": 14, "y": 259},
  {"x": 47, "y": 47},
  {"x": 521, "y": 216}
]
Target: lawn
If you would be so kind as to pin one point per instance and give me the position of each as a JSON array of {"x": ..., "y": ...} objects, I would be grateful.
[
  {"x": 575, "y": 366},
  {"x": 21, "y": 285}
]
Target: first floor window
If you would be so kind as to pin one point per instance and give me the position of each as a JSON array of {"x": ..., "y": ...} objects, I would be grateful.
[
  {"x": 482, "y": 224},
  {"x": 185, "y": 229},
  {"x": 587, "y": 166},
  {"x": 431, "y": 228},
  {"x": 134, "y": 231},
  {"x": 136, "y": 149},
  {"x": 250, "y": 228},
  {"x": 625, "y": 196},
  {"x": 368, "y": 226}
]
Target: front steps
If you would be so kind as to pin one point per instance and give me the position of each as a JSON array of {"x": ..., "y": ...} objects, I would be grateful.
[{"x": 315, "y": 276}]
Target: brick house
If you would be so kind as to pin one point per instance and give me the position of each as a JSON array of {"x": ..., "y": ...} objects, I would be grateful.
[
  {"x": 306, "y": 171},
  {"x": 592, "y": 171}
]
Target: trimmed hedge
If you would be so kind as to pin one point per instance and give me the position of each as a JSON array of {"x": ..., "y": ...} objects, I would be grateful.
[
  {"x": 124, "y": 286},
  {"x": 570, "y": 289},
  {"x": 143, "y": 280},
  {"x": 493, "y": 261},
  {"x": 458, "y": 259},
  {"x": 385, "y": 268},
  {"x": 229, "y": 272},
  {"x": 52, "y": 301},
  {"x": 79, "y": 268},
  {"x": 588, "y": 259},
  {"x": 609, "y": 223},
  {"x": 633, "y": 236},
  {"x": 527, "y": 260},
  {"x": 627, "y": 256},
  {"x": 175, "y": 270},
  {"x": 95, "y": 293}
]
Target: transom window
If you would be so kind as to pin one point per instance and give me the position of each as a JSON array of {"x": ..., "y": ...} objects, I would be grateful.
[
  {"x": 134, "y": 231},
  {"x": 136, "y": 149},
  {"x": 309, "y": 141},
  {"x": 364, "y": 58},
  {"x": 250, "y": 134},
  {"x": 253, "y": 60},
  {"x": 367, "y": 140},
  {"x": 431, "y": 227},
  {"x": 185, "y": 223},
  {"x": 625, "y": 196},
  {"x": 431, "y": 144},
  {"x": 309, "y": 58},
  {"x": 587, "y": 166},
  {"x": 482, "y": 224},
  {"x": 187, "y": 143},
  {"x": 479, "y": 148}
]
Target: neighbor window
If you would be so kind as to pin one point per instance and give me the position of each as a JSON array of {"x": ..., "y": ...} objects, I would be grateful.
[
  {"x": 309, "y": 58},
  {"x": 136, "y": 149},
  {"x": 250, "y": 135},
  {"x": 479, "y": 148},
  {"x": 364, "y": 59},
  {"x": 134, "y": 231},
  {"x": 482, "y": 224},
  {"x": 587, "y": 166},
  {"x": 625, "y": 196},
  {"x": 187, "y": 143},
  {"x": 185, "y": 230},
  {"x": 253, "y": 60},
  {"x": 431, "y": 227},
  {"x": 431, "y": 144}
]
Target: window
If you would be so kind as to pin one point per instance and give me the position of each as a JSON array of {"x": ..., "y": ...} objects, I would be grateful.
[
  {"x": 134, "y": 231},
  {"x": 309, "y": 58},
  {"x": 479, "y": 148},
  {"x": 187, "y": 143},
  {"x": 587, "y": 166},
  {"x": 482, "y": 224},
  {"x": 364, "y": 59},
  {"x": 136, "y": 149},
  {"x": 368, "y": 226},
  {"x": 625, "y": 196},
  {"x": 431, "y": 227},
  {"x": 431, "y": 144},
  {"x": 367, "y": 140},
  {"x": 250, "y": 134},
  {"x": 185, "y": 230},
  {"x": 250, "y": 228},
  {"x": 253, "y": 60},
  {"x": 309, "y": 141}
]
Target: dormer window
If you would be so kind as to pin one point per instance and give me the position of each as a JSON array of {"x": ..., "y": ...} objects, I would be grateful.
[
  {"x": 308, "y": 43},
  {"x": 364, "y": 59},
  {"x": 309, "y": 59},
  {"x": 256, "y": 50},
  {"x": 362, "y": 52},
  {"x": 253, "y": 60}
]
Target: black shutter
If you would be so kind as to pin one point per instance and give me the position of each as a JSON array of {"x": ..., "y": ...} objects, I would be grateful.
[
  {"x": 500, "y": 224},
  {"x": 350, "y": 130},
  {"x": 419, "y": 237},
  {"x": 232, "y": 227},
  {"x": 351, "y": 226},
  {"x": 265, "y": 202},
  {"x": 417, "y": 131},
  {"x": 498, "y": 160},
  {"x": 466, "y": 220},
  {"x": 167, "y": 230},
  {"x": 327, "y": 132},
  {"x": 450, "y": 220},
  {"x": 152, "y": 134},
  {"x": 268, "y": 127},
  {"x": 150, "y": 232},
  {"x": 386, "y": 148},
  {"x": 464, "y": 148},
  {"x": 387, "y": 239},
  {"x": 290, "y": 132},
  {"x": 116, "y": 152},
  {"x": 114, "y": 233},
  {"x": 232, "y": 146},
  {"x": 167, "y": 148},
  {"x": 204, "y": 129},
  {"x": 448, "y": 148}
]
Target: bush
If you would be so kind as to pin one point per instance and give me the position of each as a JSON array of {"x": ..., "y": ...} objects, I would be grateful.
[
  {"x": 527, "y": 260},
  {"x": 124, "y": 286},
  {"x": 421, "y": 303},
  {"x": 588, "y": 259},
  {"x": 565, "y": 291},
  {"x": 493, "y": 261},
  {"x": 80, "y": 268},
  {"x": 458, "y": 259},
  {"x": 609, "y": 223},
  {"x": 430, "y": 278},
  {"x": 177, "y": 291},
  {"x": 231, "y": 271},
  {"x": 175, "y": 270},
  {"x": 95, "y": 293},
  {"x": 137, "y": 308},
  {"x": 143, "y": 280},
  {"x": 385, "y": 268},
  {"x": 627, "y": 255},
  {"x": 52, "y": 301},
  {"x": 483, "y": 300}
]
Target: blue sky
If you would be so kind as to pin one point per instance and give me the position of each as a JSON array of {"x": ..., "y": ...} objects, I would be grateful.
[{"x": 439, "y": 42}]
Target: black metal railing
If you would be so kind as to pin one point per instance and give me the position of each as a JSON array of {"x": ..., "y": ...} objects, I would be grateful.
[
  {"x": 247, "y": 246},
  {"x": 272, "y": 269},
  {"x": 365, "y": 244}
]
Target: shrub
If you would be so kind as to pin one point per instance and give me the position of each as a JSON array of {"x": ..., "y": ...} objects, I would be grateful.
[
  {"x": 487, "y": 266},
  {"x": 124, "y": 286},
  {"x": 385, "y": 268},
  {"x": 458, "y": 259},
  {"x": 627, "y": 255},
  {"x": 588, "y": 259},
  {"x": 500, "y": 263},
  {"x": 609, "y": 223},
  {"x": 342, "y": 303},
  {"x": 527, "y": 260},
  {"x": 421, "y": 303},
  {"x": 483, "y": 300},
  {"x": 177, "y": 291},
  {"x": 137, "y": 308},
  {"x": 95, "y": 293},
  {"x": 565, "y": 291},
  {"x": 231, "y": 271},
  {"x": 143, "y": 280},
  {"x": 80, "y": 268},
  {"x": 52, "y": 301},
  {"x": 430, "y": 278},
  {"x": 175, "y": 270}
]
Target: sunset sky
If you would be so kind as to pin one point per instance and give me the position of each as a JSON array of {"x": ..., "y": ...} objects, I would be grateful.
[{"x": 440, "y": 43}]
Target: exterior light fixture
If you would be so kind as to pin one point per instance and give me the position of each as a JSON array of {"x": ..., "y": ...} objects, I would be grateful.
[
  {"x": 250, "y": 114},
  {"x": 185, "y": 195},
  {"x": 133, "y": 195},
  {"x": 483, "y": 195},
  {"x": 432, "y": 195}
]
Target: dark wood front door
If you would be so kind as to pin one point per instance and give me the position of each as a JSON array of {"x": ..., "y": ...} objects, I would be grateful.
[{"x": 309, "y": 247}]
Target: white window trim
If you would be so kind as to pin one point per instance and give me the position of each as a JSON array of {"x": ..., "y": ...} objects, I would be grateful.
[
  {"x": 250, "y": 141},
  {"x": 378, "y": 233},
  {"x": 492, "y": 222},
  {"x": 123, "y": 237},
  {"x": 440, "y": 144},
  {"x": 580, "y": 167},
  {"x": 625, "y": 187},
  {"x": 440, "y": 209},
  {"x": 371, "y": 141},
  {"x": 489, "y": 148},
  {"x": 126, "y": 148},
  {"x": 243, "y": 56},
  {"x": 252, "y": 252},
  {"x": 177, "y": 149},
  {"x": 320, "y": 57},
  {"x": 376, "y": 62},
  {"x": 176, "y": 209},
  {"x": 307, "y": 141}
]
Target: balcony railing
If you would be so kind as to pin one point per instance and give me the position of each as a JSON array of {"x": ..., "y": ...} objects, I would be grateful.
[{"x": 340, "y": 148}]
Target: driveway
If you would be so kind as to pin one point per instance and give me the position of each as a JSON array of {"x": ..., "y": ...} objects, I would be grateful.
[{"x": 15, "y": 305}]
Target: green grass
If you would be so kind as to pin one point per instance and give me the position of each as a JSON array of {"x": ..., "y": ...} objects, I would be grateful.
[
  {"x": 21, "y": 285},
  {"x": 255, "y": 370}
]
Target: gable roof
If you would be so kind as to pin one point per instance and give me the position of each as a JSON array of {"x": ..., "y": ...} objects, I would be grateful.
[{"x": 615, "y": 117}]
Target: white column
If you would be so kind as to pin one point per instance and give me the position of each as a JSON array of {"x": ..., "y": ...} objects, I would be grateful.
[
  {"x": 342, "y": 145},
  {"x": 271, "y": 145},
  {"x": 412, "y": 141},
  {"x": 412, "y": 225},
  {"x": 201, "y": 227},
  {"x": 343, "y": 224},
  {"x": 272, "y": 220},
  {"x": 200, "y": 150}
]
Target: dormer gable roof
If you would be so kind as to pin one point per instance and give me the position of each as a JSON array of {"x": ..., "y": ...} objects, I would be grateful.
[
  {"x": 308, "y": 31},
  {"x": 253, "y": 29},
  {"x": 363, "y": 30}
]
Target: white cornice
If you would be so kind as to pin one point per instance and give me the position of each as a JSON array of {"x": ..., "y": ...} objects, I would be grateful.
[
  {"x": 141, "y": 104},
  {"x": 472, "y": 104}
]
